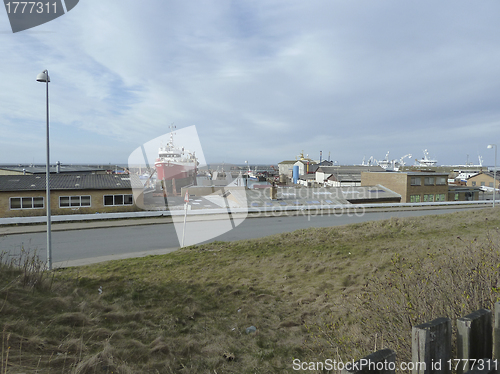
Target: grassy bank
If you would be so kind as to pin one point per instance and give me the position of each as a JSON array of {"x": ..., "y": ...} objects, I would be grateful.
[{"x": 311, "y": 294}]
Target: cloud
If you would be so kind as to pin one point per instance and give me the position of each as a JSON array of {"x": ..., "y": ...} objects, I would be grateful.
[{"x": 260, "y": 80}]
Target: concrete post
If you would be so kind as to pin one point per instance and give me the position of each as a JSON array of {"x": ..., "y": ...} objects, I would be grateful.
[
  {"x": 273, "y": 191},
  {"x": 380, "y": 362},
  {"x": 474, "y": 337},
  {"x": 431, "y": 347},
  {"x": 496, "y": 332}
]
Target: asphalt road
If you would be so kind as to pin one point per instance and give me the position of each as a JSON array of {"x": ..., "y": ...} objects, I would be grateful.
[{"x": 79, "y": 247}]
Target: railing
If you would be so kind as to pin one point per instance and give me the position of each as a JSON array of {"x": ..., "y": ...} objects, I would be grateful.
[{"x": 477, "y": 342}]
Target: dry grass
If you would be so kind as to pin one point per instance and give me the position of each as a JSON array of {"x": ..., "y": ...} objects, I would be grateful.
[{"x": 309, "y": 293}]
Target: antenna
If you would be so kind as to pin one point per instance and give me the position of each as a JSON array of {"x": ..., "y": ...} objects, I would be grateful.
[{"x": 172, "y": 127}]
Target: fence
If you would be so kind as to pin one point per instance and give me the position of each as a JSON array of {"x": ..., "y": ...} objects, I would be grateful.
[{"x": 477, "y": 342}]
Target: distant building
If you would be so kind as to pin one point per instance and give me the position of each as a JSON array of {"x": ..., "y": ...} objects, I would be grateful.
[
  {"x": 286, "y": 168},
  {"x": 414, "y": 187},
  {"x": 24, "y": 195},
  {"x": 305, "y": 166},
  {"x": 483, "y": 179}
]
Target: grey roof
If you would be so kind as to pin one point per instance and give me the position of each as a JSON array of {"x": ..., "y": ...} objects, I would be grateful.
[
  {"x": 424, "y": 172},
  {"x": 67, "y": 182},
  {"x": 430, "y": 173},
  {"x": 370, "y": 193},
  {"x": 347, "y": 173},
  {"x": 304, "y": 161},
  {"x": 349, "y": 169},
  {"x": 41, "y": 169}
]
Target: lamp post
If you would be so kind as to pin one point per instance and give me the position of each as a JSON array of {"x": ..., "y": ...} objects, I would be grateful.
[
  {"x": 44, "y": 77},
  {"x": 494, "y": 173}
]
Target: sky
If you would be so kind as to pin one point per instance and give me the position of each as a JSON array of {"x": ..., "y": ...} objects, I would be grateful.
[{"x": 261, "y": 80}]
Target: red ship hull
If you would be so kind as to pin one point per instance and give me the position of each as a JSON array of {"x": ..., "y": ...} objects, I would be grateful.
[{"x": 173, "y": 176}]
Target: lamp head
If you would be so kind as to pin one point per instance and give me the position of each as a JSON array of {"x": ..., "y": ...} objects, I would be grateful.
[
  {"x": 43, "y": 76},
  {"x": 491, "y": 145}
]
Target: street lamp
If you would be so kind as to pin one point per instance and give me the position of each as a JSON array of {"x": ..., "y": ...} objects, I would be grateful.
[
  {"x": 494, "y": 173},
  {"x": 44, "y": 77}
]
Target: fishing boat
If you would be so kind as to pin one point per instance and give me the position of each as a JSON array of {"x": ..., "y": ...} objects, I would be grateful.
[
  {"x": 426, "y": 161},
  {"x": 175, "y": 166}
]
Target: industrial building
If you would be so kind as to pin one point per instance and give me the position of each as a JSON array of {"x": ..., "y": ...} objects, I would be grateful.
[
  {"x": 24, "y": 195},
  {"x": 414, "y": 187},
  {"x": 484, "y": 179}
]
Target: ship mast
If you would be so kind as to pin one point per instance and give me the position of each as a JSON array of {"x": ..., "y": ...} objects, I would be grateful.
[{"x": 172, "y": 127}]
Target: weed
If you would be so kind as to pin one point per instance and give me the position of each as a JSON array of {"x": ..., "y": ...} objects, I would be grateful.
[{"x": 335, "y": 292}]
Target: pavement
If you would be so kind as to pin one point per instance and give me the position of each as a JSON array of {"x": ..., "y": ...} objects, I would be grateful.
[{"x": 123, "y": 256}]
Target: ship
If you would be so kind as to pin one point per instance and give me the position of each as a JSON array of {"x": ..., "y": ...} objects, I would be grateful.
[
  {"x": 175, "y": 167},
  {"x": 386, "y": 163},
  {"x": 252, "y": 175},
  {"x": 426, "y": 161}
]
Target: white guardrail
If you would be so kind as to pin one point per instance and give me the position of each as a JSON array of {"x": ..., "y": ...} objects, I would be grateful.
[{"x": 249, "y": 210}]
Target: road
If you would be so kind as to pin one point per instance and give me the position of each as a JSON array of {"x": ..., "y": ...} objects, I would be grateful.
[{"x": 79, "y": 247}]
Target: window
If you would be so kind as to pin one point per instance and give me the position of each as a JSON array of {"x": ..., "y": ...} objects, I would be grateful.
[
  {"x": 440, "y": 181},
  {"x": 440, "y": 197},
  {"x": 473, "y": 184},
  {"x": 118, "y": 200},
  {"x": 428, "y": 198},
  {"x": 26, "y": 202},
  {"x": 414, "y": 198},
  {"x": 429, "y": 181},
  {"x": 416, "y": 181},
  {"x": 74, "y": 201},
  {"x": 482, "y": 184},
  {"x": 491, "y": 184},
  {"x": 110, "y": 200}
]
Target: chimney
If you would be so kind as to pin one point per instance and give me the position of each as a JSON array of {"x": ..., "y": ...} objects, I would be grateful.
[{"x": 58, "y": 167}]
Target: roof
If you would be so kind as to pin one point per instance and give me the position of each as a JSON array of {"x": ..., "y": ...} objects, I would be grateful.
[
  {"x": 487, "y": 173},
  {"x": 452, "y": 188},
  {"x": 419, "y": 173},
  {"x": 41, "y": 169},
  {"x": 349, "y": 169},
  {"x": 304, "y": 161},
  {"x": 347, "y": 173},
  {"x": 369, "y": 193},
  {"x": 67, "y": 182}
]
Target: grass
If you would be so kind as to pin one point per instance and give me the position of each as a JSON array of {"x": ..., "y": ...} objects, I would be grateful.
[{"x": 312, "y": 294}]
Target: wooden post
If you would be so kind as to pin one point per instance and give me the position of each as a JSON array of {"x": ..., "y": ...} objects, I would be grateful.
[
  {"x": 474, "y": 340},
  {"x": 496, "y": 332},
  {"x": 380, "y": 362},
  {"x": 431, "y": 347}
]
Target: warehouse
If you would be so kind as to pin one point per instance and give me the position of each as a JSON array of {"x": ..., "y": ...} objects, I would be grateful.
[{"x": 25, "y": 195}]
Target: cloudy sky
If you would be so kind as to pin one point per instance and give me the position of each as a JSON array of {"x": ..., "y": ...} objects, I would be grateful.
[{"x": 261, "y": 80}]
